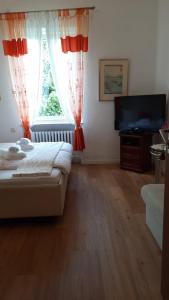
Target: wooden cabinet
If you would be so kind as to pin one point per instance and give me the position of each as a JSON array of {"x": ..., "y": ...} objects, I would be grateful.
[{"x": 134, "y": 151}]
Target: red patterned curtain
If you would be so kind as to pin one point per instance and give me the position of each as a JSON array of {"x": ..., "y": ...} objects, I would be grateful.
[
  {"x": 74, "y": 41},
  {"x": 15, "y": 46}
]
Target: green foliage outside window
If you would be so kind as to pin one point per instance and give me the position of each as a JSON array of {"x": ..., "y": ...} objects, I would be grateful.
[{"x": 50, "y": 105}]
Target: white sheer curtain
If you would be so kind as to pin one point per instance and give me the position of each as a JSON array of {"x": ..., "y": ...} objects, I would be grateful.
[
  {"x": 15, "y": 48},
  {"x": 58, "y": 62},
  {"x": 74, "y": 27},
  {"x": 34, "y": 24}
]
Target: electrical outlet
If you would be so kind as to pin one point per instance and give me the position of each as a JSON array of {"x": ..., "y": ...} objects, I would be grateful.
[{"x": 13, "y": 130}]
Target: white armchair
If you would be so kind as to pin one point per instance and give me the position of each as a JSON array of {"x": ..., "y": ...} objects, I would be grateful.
[{"x": 153, "y": 196}]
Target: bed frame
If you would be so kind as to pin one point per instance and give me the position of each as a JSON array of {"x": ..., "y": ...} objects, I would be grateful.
[{"x": 33, "y": 201}]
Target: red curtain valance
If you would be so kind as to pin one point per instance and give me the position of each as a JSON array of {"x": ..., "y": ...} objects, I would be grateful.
[
  {"x": 13, "y": 16},
  {"x": 14, "y": 41},
  {"x": 74, "y": 30},
  {"x": 78, "y": 12},
  {"x": 74, "y": 43},
  {"x": 15, "y": 47}
]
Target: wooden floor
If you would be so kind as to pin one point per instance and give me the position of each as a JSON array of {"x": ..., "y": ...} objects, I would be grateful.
[{"x": 100, "y": 250}]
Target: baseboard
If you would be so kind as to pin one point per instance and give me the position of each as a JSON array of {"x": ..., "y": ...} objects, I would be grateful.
[
  {"x": 79, "y": 158},
  {"x": 100, "y": 161}
]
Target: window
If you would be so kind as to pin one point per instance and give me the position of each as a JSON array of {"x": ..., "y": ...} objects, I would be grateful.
[
  {"x": 44, "y": 98},
  {"x": 49, "y": 102},
  {"x": 49, "y": 108}
]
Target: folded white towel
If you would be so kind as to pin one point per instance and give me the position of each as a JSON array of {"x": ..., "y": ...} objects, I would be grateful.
[
  {"x": 7, "y": 165},
  {"x": 9, "y": 155},
  {"x": 3, "y": 153},
  {"x": 25, "y": 144},
  {"x": 27, "y": 147},
  {"x": 14, "y": 149},
  {"x": 23, "y": 141},
  {"x": 15, "y": 156}
]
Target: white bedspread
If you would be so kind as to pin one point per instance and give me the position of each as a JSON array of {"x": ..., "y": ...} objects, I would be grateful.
[
  {"x": 63, "y": 161},
  {"x": 44, "y": 157}
]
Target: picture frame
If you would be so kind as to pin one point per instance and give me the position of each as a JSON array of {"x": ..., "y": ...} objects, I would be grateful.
[{"x": 113, "y": 78}]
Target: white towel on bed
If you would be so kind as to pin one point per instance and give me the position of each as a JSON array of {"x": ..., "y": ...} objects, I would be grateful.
[
  {"x": 40, "y": 160},
  {"x": 14, "y": 149},
  {"x": 25, "y": 144},
  {"x": 8, "y": 165},
  {"x": 28, "y": 147},
  {"x": 43, "y": 158},
  {"x": 11, "y": 155}
]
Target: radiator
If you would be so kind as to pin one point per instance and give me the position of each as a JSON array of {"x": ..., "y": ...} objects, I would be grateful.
[{"x": 52, "y": 136}]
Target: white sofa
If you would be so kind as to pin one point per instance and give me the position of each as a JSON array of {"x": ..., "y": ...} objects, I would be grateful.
[{"x": 153, "y": 196}]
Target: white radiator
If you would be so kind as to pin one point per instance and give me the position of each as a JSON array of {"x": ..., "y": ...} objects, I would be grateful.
[{"x": 52, "y": 136}]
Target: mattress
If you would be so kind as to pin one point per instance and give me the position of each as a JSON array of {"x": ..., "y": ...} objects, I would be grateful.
[
  {"x": 7, "y": 179},
  {"x": 33, "y": 200},
  {"x": 38, "y": 196}
]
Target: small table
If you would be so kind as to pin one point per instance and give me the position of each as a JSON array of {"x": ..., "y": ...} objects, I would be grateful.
[{"x": 158, "y": 153}]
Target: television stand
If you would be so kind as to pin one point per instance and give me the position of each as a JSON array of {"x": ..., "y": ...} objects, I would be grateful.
[
  {"x": 133, "y": 131},
  {"x": 134, "y": 151}
]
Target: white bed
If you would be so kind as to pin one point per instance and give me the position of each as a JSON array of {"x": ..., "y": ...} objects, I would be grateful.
[{"x": 34, "y": 195}]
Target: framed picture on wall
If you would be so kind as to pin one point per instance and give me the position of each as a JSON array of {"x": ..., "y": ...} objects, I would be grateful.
[{"x": 113, "y": 78}]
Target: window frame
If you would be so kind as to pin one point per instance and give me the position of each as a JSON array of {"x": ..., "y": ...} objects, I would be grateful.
[
  {"x": 50, "y": 120},
  {"x": 58, "y": 119}
]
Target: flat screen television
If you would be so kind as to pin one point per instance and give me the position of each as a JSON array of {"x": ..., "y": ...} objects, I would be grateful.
[{"x": 143, "y": 113}]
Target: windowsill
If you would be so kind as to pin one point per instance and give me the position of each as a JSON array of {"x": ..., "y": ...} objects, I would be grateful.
[
  {"x": 51, "y": 123},
  {"x": 52, "y": 126}
]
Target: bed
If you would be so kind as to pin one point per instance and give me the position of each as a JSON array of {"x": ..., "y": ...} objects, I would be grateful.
[{"x": 41, "y": 190}]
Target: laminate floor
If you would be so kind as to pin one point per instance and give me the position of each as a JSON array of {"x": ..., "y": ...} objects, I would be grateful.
[{"x": 100, "y": 249}]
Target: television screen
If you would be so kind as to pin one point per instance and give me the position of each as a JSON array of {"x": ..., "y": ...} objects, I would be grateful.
[{"x": 140, "y": 113}]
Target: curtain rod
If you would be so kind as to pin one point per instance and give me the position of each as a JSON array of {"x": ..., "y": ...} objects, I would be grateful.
[{"x": 48, "y": 10}]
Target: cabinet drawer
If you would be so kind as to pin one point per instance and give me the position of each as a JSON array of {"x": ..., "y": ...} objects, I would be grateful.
[
  {"x": 130, "y": 156},
  {"x": 134, "y": 151},
  {"x": 130, "y": 149},
  {"x": 131, "y": 161}
]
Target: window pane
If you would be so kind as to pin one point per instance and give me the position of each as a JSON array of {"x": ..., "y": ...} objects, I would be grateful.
[{"x": 49, "y": 102}]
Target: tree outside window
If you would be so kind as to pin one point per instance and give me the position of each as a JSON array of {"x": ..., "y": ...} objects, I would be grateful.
[{"x": 49, "y": 102}]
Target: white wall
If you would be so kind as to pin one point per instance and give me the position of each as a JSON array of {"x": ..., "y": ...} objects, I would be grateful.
[
  {"x": 119, "y": 29},
  {"x": 162, "y": 71},
  {"x": 8, "y": 114}
]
